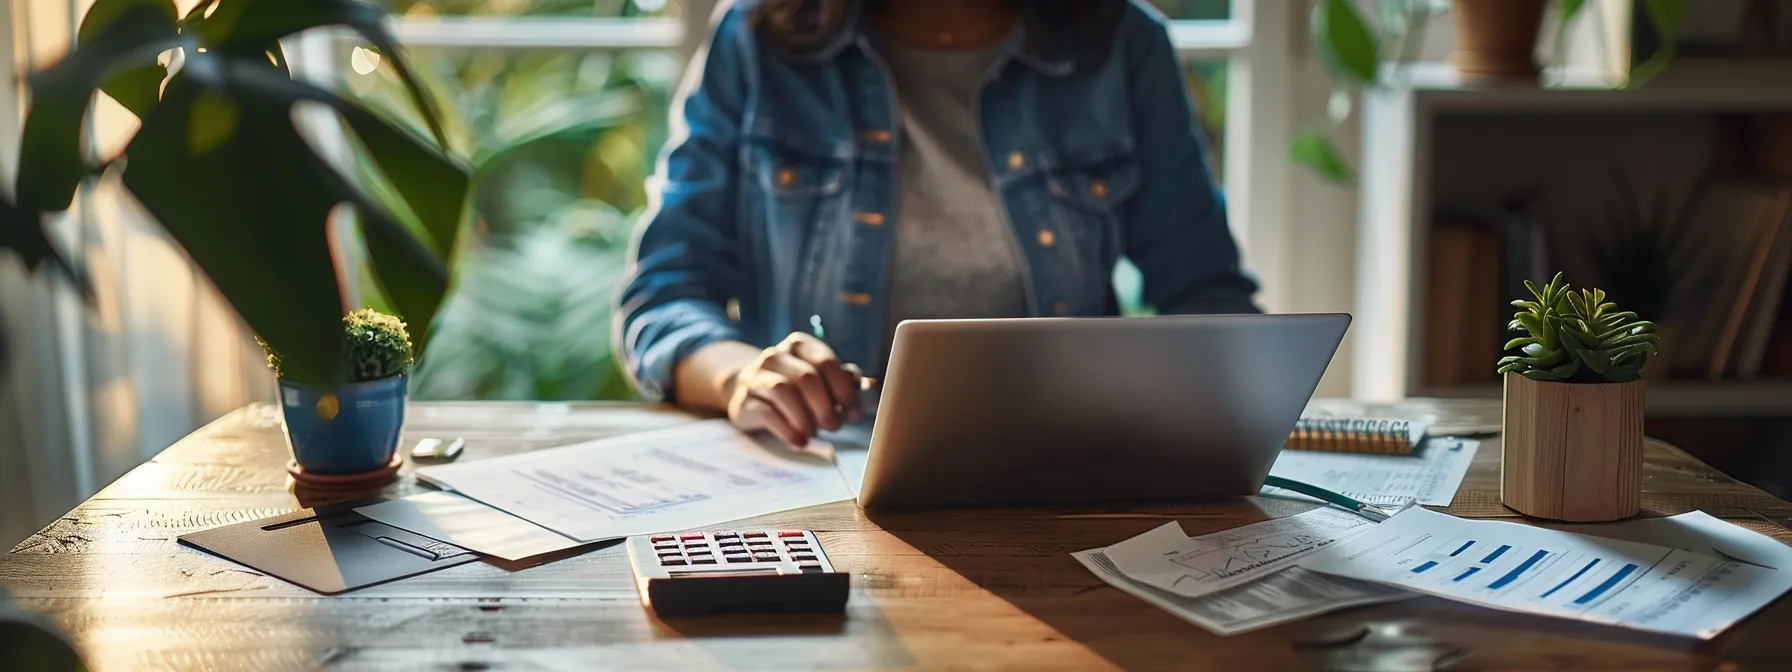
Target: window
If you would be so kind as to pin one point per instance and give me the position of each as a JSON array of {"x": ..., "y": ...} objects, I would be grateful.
[{"x": 561, "y": 106}]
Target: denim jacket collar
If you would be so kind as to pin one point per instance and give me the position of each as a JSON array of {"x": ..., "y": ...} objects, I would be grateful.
[{"x": 1047, "y": 60}]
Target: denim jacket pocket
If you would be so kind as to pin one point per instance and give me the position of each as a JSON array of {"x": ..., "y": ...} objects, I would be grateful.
[
  {"x": 1087, "y": 196},
  {"x": 786, "y": 169}
]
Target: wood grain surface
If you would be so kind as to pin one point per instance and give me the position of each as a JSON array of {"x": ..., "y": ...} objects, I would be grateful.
[
  {"x": 991, "y": 588},
  {"x": 1573, "y": 452}
]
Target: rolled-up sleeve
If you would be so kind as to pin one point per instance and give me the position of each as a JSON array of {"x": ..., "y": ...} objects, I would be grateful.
[
  {"x": 684, "y": 263},
  {"x": 1176, "y": 229}
]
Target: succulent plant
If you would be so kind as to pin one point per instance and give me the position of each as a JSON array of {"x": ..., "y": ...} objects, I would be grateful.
[
  {"x": 377, "y": 346},
  {"x": 1577, "y": 337}
]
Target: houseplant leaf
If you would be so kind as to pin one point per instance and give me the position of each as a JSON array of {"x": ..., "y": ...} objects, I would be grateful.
[
  {"x": 50, "y": 158},
  {"x": 1346, "y": 44},
  {"x": 135, "y": 86},
  {"x": 249, "y": 24},
  {"x": 261, "y": 236},
  {"x": 1312, "y": 148},
  {"x": 412, "y": 275}
]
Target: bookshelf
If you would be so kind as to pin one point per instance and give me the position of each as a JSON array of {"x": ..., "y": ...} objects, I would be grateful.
[{"x": 1434, "y": 144}]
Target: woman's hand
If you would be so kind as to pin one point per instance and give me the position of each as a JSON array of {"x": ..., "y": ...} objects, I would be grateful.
[{"x": 794, "y": 390}]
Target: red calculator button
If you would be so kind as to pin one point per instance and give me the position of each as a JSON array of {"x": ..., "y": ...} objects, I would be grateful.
[
  {"x": 693, "y": 536},
  {"x": 754, "y": 535},
  {"x": 663, "y": 537},
  {"x": 790, "y": 533}
]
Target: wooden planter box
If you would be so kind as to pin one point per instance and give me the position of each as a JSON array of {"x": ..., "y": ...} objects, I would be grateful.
[{"x": 1572, "y": 452}]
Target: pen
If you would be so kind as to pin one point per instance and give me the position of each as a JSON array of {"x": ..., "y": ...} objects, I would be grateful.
[
  {"x": 1366, "y": 510},
  {"x": 820, "y": 334}
]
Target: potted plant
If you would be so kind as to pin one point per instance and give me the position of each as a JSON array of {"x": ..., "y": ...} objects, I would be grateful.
[
  {"x": 351, "y": 428},
  {"x": 1572, "y": 419},
  {"x": 223, "y": 160}
]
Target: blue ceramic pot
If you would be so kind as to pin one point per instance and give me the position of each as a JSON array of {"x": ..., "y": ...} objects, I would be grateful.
[{"x": 350, "y": 429}]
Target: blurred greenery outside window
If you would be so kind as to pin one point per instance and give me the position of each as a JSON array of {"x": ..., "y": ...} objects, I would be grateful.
[{"x": 561, "y": 141}]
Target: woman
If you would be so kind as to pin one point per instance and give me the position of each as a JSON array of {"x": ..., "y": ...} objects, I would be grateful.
[{"x": 856, "y": 163}]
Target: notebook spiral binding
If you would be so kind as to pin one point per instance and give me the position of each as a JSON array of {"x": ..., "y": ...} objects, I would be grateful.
[{"x": 1354, "y": 435}]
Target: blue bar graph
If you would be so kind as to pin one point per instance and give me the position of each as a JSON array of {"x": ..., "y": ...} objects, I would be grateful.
[
  {"x": 1471, "y": 572},
  {"x": 1465, "y": 546},
  {"x": 1428, "y": 565},
  {"x": 1495, "y": 555},
  {"x": 1513, "y": 575},
  {"x": 1571, "y": 579},
  {"x": 1605, "y": 585}
]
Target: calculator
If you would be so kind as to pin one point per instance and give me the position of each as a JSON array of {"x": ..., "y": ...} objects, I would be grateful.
[{"x": 755, "y": 571}]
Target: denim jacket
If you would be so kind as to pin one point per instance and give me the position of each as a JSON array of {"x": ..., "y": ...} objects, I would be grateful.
[{"x": 775, "y": 199}]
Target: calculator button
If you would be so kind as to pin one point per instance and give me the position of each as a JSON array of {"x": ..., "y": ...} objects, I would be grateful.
[
  {"x": 666, "y": 546},
  {"x": 754, "y": 535},
  {"x": 663, "y": 537},
  {"x": 809, "y": 567},
  {"x": 702, "y": 560},
  {"x": 668, "y": 556},
  {"x": 797, "y": 546},
  {"x": 765, "y": 556},
  {"x": 737, "y": 557},
  {"x": 673, "y": 561},
  {"x": 790, "y": 533},
  {"x": 692, "y": 536},
  {"x": 727, "y": 535}
]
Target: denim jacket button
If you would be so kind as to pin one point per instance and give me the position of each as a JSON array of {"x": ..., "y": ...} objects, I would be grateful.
[
  {"x": 1047, "y": 238},
  {"x": 868, "y": 218},
  {"x": 786, "y": 176},
  {"x": 1016, "y": 160},
  {"x": 1098, "y": 189},
  {"x": 878, "y": 136}
]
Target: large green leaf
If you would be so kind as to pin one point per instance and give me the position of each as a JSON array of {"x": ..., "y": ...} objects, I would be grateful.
[
  {"x": 50, "y": 158},
  {"x": 135, "y": 86},
  {"x": 253, "y": 24},
  {"x": 1346, "y": 44},
  {"x": 261, "y": 235},
  {"x": 412, "y": 276}
]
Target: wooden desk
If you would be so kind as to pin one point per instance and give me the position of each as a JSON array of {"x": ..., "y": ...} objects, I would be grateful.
[{"x": 987, "y": 588}]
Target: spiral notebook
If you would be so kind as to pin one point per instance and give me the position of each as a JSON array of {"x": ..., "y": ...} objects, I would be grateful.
[{"x": 1374, "y": 435}]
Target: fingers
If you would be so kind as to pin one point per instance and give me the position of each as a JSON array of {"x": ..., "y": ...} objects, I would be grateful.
[
  {"x": 810, "y": 385},
  {"x": 754, "y": 413},
  {"x": 841, "y": 380},
  {"x": 781, "y": 392}
]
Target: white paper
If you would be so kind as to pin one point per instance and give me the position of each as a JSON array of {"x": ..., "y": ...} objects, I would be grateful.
[
  {"x": 1431, "y": 475},
  {"x": 1542, "y": 571},
  {"x": 1279, "y": 597},
  {"x": 1169, "y": 560},
  {"x": 691, "y": 476},
  {"x": 1695, "y": 531},
  {"x": 445, "y": 516}
]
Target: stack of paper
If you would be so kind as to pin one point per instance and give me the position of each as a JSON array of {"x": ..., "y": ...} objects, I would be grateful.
[
  {"x": 1241, "y": 579},
  {"x": 1431, "y": 475},
  {"x": 692, "y": 476},
  {"x": 1554, "y": 573}
]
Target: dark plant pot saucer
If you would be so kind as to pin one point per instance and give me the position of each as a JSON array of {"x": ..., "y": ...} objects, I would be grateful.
[{"x": 370, "y": 480}]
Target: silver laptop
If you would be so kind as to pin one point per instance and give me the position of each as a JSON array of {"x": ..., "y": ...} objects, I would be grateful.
[{"x": 1022, "y": 411}]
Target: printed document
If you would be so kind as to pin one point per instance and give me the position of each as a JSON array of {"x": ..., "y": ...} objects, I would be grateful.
[
  {"x": 1542, "y": 571},
  {"x": 1431, "y": 475},
  {"x": 691, "y": 476},
  {"x": 1279, "y": 597},
  {"x": 1168, "y": 560},
  {"x": 445, "y": 516}
]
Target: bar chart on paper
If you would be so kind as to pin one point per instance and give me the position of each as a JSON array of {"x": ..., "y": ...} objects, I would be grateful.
[{"x": 1522, "y": 568}]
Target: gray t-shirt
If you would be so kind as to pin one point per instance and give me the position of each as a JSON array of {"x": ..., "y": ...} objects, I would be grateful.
[{"x": 955, "y": 255}]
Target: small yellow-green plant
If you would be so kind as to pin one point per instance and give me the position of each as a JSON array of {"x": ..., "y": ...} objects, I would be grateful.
[
  {"x": 377, "y": 346},
  {"x": 1577, "y": 337}
]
